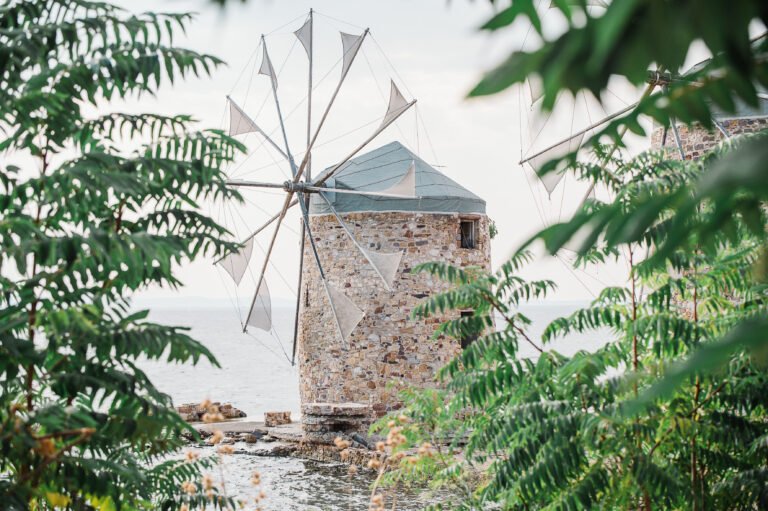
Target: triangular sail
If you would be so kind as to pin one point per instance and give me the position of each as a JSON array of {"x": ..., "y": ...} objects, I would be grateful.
[
  {"x": 346, "y": 313},
  {"x": 397, "y": 103},
  {"x": 261, "y": 310},
  {"x": 266, "y": 67},
  {"x": 239, "y": 122},
  {"x": 551, "y": 179},
  {"x": 237, "y": 262},
  {"x": 304, "y": 35},
  {"x": 386, "y": 264},
  {"x": 406, "y": 185},
  {"x": 536, "y": 89},
  {"x": 351, "y": 44}
]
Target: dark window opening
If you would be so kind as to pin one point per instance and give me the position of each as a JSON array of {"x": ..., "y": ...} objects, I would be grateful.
[
  {"x": 469, "y": 339},
  {"x": 468, "y": 231},
  {"x": 306, "y": 296}
]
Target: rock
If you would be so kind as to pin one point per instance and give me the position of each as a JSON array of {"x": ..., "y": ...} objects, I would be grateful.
[
  {"x": 353, "y": 409},
  {"x": 251, "y": 438},
  {"x": 194, "y": 412},
  {"x": 272, "y": 419}
]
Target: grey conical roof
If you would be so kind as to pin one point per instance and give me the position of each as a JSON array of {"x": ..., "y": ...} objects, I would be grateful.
[{"x": 386, "y": 166}]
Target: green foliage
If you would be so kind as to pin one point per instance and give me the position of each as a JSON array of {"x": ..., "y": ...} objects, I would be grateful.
[
  {"x": 635, "y": 423},
  {"x": 627, "y": 38},
  {"x": 493, "y": 230},
  {"x": 645, "y": 41},
  {"x": 95, "y": 208}
]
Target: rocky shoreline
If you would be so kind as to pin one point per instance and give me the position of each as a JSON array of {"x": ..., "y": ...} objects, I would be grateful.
[{"x": 278, "y": 436}]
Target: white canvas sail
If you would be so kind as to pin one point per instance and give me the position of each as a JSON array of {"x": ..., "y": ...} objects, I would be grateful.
[
  {"x": 551, "y": 179},
  {"x": 304, "y": 35},
  {"x": 346, "y": 313},
  {"x": 266, "y": 67},
  {"x": 406, "y": 185},
  {"x": 261, "y": 311},
  {"x": 237, "y": 262},
  {"x": 397, "y": 104},
  {"x": 386, "y": 264},
  {"x": 239, "y": 122},
  {"x": 536, "y": 89},
  {"x": 350, "y": 45}
]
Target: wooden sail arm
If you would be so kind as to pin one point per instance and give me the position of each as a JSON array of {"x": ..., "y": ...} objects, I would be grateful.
[
  {"x": 580, "y": 132},
  {"x": 308, "y": 152},
  {"x": 305, "y": 188},
  {"x": 257, "y": 231},
  {"x": 280, "y": 216},
  {"x": 326, "y": 176}
]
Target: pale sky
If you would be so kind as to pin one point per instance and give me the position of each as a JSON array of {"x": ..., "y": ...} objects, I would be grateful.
[{"x": 438, "y": 54}]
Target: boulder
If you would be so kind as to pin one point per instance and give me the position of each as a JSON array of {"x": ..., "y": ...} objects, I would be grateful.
[
  {"x": 272, "y": 419},
  {"x": 194, "y": 412}
]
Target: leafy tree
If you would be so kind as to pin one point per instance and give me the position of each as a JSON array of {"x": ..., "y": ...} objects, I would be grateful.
[
  {"x": 648, "y": 41},
  {"x": 96, "y": 207},
  {"x": 569, "y": 432}
]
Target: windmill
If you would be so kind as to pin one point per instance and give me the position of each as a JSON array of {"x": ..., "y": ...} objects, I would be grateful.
[
  {"x": 301, "y": 185},
  {"x": 575, "y": 120}
]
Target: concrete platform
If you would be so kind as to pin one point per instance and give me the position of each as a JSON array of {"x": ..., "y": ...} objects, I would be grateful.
[{"x": 291, "y": 432}]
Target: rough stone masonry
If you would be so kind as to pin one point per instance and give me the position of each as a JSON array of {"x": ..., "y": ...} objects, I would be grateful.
[
  {"x": 387, "y": 349},
  {"x": 696, "y": 140}
]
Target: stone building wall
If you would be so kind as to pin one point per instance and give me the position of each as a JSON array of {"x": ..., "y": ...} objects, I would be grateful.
[
  {"x": 697, "y": 141},
  {"x": 387, "y": 346}
]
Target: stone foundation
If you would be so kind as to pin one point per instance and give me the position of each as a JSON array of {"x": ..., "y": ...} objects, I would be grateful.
[
  {"x": 323, "y": 422},
  {"x": 387, "y": 349},
  {"x": 696, "y": 140}
]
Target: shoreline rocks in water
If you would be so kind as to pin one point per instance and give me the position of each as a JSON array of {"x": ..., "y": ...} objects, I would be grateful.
[
  {"x": 272, "y": 419},
  {"x": 196, "y": 412},
  {"x": 312, "y": 438}
]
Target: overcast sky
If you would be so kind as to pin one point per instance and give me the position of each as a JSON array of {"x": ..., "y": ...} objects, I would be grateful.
[{"x": 437, "y": 54}]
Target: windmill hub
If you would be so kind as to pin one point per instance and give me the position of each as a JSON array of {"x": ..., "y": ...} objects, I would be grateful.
[{"x": 300, "y": 187}]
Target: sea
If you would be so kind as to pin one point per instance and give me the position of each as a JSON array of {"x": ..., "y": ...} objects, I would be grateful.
[{"x": 254, "y": 373}]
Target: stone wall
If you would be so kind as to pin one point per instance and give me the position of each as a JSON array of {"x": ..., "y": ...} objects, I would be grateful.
[
  {"x": 387, "y": 346},
  {"x": 697, "y": 141}
]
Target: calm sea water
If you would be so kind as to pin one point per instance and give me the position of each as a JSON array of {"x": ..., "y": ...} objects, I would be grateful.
[{"x": 256, "y": 376}]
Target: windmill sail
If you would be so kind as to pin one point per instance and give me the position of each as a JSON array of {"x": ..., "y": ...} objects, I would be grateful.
[
  {"x": 351, "y": 44},
  {"x": 551, "y": 179},
  {"x": 406, "y": 186},
  {"x": 261, "y": 311},
  {"x": 237, "y": 262},
  {"x": 386, "y": 264},
  {"x": 304, "y": 35},
  {"x": 536, "y": 89},
  {"x": 397, "y": 104},
  {"x": 266, "y": 67},
  {"x": 346, "y": 313},
  {"x": 239, "y": 122}
]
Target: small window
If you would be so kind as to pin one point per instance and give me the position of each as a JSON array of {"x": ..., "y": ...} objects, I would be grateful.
[
  {"x": 468, "y": 232},
  {"x": 466, "y": 341}
]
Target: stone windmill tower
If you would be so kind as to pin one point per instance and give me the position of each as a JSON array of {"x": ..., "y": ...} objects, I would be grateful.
[
  {"x": 680, "y": 141},
  {"x": 366, "y": 221},
  {"x": 446, "y": 222}
]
